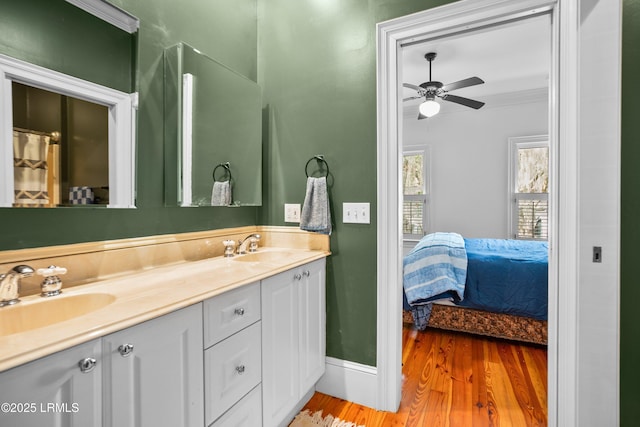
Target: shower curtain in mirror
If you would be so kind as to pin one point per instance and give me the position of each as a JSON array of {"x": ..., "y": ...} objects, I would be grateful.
[{"x": 30, "y": 169}]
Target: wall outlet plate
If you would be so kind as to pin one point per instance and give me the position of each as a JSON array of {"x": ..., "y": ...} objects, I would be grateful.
[
  {"x": 356, "y": 213},
  {"x": 292, "y": 212}
]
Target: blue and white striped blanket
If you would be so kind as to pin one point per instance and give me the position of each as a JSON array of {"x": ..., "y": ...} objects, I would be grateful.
[{"x": 436, "y": 268}]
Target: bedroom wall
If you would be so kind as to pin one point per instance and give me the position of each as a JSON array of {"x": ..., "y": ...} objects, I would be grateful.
[{"x": 469, "y": 152}]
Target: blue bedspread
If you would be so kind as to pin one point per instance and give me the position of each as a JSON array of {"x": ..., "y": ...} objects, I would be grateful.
[
  {"x": 501, "y": 276},
  {"x": 507, "y": 276}
]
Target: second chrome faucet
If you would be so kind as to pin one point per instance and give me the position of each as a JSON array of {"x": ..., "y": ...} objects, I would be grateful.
[{"x": 251, "y": 240}]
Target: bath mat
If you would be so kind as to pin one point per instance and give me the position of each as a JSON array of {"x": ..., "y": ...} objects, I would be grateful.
[{"x": 306, "y": 419}]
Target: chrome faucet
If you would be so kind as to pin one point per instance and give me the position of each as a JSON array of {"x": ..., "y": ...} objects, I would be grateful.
[
  {"x": 10, "y": 284},
  {"x": 252, "y": 240}
]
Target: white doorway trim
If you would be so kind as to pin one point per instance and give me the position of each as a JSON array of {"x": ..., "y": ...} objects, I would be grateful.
[{"x": 563, "y": 267}]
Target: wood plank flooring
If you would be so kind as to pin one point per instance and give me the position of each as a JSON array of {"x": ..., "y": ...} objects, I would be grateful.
[{"x": 453, "y": 379}]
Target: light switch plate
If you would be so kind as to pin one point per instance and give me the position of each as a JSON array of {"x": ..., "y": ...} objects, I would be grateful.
[
  {"x": 356, "y": 213},
  {"x": 292, "y": 212}
]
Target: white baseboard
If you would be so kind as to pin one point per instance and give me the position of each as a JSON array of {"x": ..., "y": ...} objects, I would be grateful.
[{"x": 350, "y": 381}]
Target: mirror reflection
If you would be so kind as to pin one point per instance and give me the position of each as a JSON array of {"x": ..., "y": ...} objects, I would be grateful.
[
  {"x": 68, "y": 164},
  {"x": 215, "y": 115}
]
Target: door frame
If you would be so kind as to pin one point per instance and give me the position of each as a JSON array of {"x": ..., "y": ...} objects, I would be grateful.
[{"x": 563, "y": 232}]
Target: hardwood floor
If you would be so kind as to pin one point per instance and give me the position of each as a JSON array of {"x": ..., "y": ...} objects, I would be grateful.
[{"x": 453, "y": 379}]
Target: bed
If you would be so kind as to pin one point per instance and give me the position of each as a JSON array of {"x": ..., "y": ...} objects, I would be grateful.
[{"x": 494, "y": 287}]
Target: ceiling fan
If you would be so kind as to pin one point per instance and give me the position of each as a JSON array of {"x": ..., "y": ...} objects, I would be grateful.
[{"x": 431, "y": 90}]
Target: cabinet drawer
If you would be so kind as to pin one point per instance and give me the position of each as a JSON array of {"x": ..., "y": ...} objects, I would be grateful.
[
  {"x": 232, "y": 368},
  {"x": 230, "y": 312},
  {"x": 246, "y": 413}
]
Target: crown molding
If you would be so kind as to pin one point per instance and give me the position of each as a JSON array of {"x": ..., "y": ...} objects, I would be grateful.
[{"x": 109, "y": 13}]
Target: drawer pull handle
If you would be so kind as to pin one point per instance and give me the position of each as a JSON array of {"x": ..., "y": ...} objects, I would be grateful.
[
  {"x": 306, "y": 273},
  {"x": 125, "y": 350},
  {"x": 240, "y": 369},
  {"x": 239, "y": 311},
  {"x": 298, "y": 276},
  {"x": 87, "y": 364}
]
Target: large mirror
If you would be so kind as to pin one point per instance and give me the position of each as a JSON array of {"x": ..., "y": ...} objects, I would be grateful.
[
  {"x": 66, "y": 127},
  {"x": 213, "y": 132}
]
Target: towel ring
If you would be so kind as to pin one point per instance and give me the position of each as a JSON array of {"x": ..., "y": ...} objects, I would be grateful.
[
  {"x": 319, "y": 158},
  {"x": 226, "y": 166}
]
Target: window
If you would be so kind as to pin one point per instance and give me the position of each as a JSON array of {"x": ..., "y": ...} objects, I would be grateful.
[
  {"x": 415, "y": 192},
  {"x": 529, "y": 184}
]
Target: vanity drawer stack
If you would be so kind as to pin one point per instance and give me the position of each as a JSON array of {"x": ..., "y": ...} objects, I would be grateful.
[{"x": 232, "y": 358}]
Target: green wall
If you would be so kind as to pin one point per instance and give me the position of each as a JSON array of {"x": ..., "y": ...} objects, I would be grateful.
[
  {"x": 39, "y": 32},
  {"x": 630, "y": 235},
  {"x": 225, "y": 30},
  {"x": 317, "y": 67}
]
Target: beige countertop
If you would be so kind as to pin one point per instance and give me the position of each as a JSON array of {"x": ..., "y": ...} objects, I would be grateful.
[{"x": 139, "y": 297}]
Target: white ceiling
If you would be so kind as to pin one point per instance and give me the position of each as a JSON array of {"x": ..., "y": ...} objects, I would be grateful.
[{"x": 510, "y": 58}]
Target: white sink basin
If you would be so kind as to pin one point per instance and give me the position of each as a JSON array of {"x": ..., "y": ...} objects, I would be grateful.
[{"x": 38, "y": 313}]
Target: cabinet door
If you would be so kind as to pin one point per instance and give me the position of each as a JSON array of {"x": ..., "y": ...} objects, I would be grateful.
[
  {"x": 311, "y": 297},
  {"x": 280, "y": 378},
  {"x": 53, "y": 391},
  {"x": 159, "y": 380}
]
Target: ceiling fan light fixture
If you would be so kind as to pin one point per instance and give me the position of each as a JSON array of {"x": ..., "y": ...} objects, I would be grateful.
[
  {"x": 429, "y": 108},
  {"x": 433, "y": 89}
]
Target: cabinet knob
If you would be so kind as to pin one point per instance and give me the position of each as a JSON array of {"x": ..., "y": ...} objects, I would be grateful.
[
  {"x": 297, "y": 276},
  {"x": 239, "y": 311},
  {"x": 87, "y": 364},
  {"x": 125, "y": 350},
  {"x": 306, "y": 273},
  {"x": 240, "y": 369}
]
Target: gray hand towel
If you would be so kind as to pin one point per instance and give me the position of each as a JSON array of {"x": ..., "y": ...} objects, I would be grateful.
[
  {"x": 316, "y": 215},
  {"x": 221, "y": 193}
]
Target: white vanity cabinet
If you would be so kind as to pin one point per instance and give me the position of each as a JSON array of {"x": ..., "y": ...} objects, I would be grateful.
[
  {"x": 154, "y": 372},
  {"x": 232, "y": 358},
  {"x": 293, "y": 339},
  {"x": 247, "y": 357},
  {"x": 63, "y": 389},
  {"x": 146, "y": 375}
]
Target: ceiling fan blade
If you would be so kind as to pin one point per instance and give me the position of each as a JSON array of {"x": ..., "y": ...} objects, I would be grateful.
[
  {"x": 414, "y": 87},
  {"x": 412, "y": 98},
  {"x": 463, "y": 101},
  {"x": 471, "y": 81}
]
